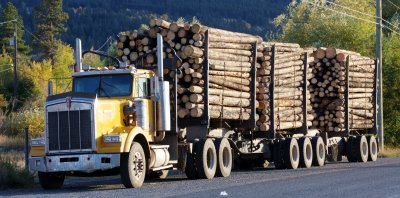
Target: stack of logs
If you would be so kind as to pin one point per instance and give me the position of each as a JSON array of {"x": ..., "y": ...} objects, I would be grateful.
[
  {"x": 229, "y": 56},
  {"x": 328, "y": 88},
  {"x": 288, "y": 86}
]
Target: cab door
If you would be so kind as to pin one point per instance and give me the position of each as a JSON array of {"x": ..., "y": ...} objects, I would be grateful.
[{"x": 144, "y": 106}]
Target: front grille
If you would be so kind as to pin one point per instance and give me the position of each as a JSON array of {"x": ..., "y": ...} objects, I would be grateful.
[{"x": 69, "y": 130}]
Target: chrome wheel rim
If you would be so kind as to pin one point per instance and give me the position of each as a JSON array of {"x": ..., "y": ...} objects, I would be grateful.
[
  {"x": 225, "y": 157},
  {"x": 210, "y": 159},
  {"x": 138, "y": 165}
]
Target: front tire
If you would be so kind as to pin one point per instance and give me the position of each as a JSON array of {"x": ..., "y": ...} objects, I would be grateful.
[
  {"x": 133, "y": 166},
  {"x": 51, "y": 181}
]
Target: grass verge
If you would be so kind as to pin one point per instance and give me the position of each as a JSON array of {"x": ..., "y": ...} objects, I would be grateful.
[
  {"x": 390, "y": 152},
  {"x": 12, "y": 176},
  {"x": 12, "y": 165}
]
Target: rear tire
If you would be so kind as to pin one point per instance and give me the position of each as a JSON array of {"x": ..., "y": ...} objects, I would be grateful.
[
  {"x": 51, "y": 181},
  {"x": 206, "y": 159},
  {"x": 373, "y": 148},
  {"x": 318, "y": 148},
  {"x": 133, "y": 167},
  {"x": 224, "y": 153},
  {"x": 278, "y": 155},
  {"x": 291, "y": 153},
  {"x": 350, "y": 149},
  {"x": 361, "y": 148},
  {"x": 306, "y": 152}
]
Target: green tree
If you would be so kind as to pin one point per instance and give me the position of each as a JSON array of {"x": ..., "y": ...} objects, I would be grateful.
[
  {"x": 391, "y": 88},
  {"x": 8, "y": 13},
  {"x": 62, "y": 67},
  {"x": 49, "y": 22},
  {"x": 92, "y": 59},
  {"x": 111, "y": 51},
  {"x": 313, "y": 26}
]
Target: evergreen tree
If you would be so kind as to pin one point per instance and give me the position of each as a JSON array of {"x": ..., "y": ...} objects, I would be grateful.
[
  {"x": 49, "y": 21},
  {"x": 8, "y": 13}
]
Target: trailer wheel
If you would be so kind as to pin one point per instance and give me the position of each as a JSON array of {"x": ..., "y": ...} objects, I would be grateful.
[
  {"x": 306, "y": 152},
  {"x": 318, "y": 151},
  {"x": 278, "y": 155},
  {"x": 373, "y": 148},
  {"x": 350, "y": 149},
  {"x": 224, "y": 153},
  {"x": 206, "y": 159},
  {"x": 133, "y": 167},
  {"x": 190, "y": 168},
  {"x": 50, "y": 181},
  {"x": 291, "y": 154},
  {"x": 361, "y": 144}
]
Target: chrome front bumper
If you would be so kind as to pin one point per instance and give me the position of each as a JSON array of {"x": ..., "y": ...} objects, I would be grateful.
[{"x": 84, "y": 162}]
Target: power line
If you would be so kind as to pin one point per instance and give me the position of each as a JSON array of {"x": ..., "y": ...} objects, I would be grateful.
[
  {"x": 394, "y": 4},
  {"x": 36, "y": 38},
  {"x": 5, "y": 70},
  {"x": 393, "y": 31},
  {"x": 6, "y": 65},
  {"x": 352, "y": 16},
  {"x": 363, "y": 13},
  {"x": 105, "y": 43},
  {"x": 347, "y": 8},
  {"x": 343, "y": 13},
  {"x": 1, "y": 23}
]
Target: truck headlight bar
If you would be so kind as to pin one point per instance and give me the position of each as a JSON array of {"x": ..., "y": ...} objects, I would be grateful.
[
  {"x": 38, "y": 142},
  {"x": 111, "y": 138}
]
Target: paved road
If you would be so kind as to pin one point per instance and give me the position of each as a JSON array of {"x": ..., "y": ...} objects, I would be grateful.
[{"x": 372, "y": 179}]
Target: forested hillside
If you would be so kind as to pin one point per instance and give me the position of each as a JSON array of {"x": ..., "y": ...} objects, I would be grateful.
[{"x": 95, "y": 20}]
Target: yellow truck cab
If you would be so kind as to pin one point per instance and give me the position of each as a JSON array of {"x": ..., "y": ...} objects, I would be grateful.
[{"x": 113, "y": 121}]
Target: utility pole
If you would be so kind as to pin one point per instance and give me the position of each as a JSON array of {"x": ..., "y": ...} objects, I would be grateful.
[
  {"x": 15, "y": 66},
  {"x": 379, "y": 73}
]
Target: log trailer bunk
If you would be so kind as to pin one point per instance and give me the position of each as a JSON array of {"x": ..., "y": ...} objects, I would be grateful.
[{"x": 202, "y": 147}]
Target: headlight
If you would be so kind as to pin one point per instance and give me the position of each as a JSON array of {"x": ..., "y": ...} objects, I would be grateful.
[
  {"x": 38, "y": 142},
  {"x": 111, "y": 138}
]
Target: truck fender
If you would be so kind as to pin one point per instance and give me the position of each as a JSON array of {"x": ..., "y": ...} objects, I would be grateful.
[{"x": 136, "y": 133}]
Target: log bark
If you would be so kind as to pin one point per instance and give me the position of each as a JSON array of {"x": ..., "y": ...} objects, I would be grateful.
[
  {"x": 163, "y": 24},
  {"x": 225, "y": 101},
  {"x": 229, "y": 73},
  {"x": 232, "y": 51},
  {"x": 228, "y": 45},
  {"x": 211, "y": 91}
]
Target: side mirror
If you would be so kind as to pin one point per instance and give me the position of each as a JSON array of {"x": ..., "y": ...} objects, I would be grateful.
[
  {"x": 154, "y": 88},
  {"x": 50, "y": 88}
]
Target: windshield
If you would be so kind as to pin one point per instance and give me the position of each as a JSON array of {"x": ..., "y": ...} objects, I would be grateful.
[{"x": 104, "y": 85}]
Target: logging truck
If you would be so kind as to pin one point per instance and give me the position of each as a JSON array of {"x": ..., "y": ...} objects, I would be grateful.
[{"x": 125, "y": 119}]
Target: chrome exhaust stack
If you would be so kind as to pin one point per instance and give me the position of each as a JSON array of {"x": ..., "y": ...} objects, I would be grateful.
[
  {"x": 163, "y": 102},
  {"x": 78, "y": 55}
]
